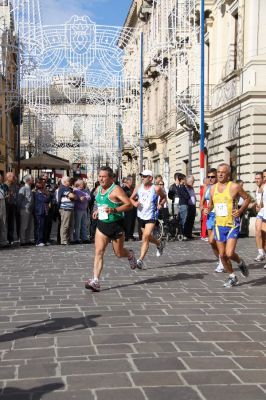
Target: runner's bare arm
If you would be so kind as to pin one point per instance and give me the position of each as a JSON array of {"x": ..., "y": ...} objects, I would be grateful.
[
  {"x": 211, "y": 205},
  {"x": 238, "y": 191},
  {"x": 119, "y": 196},
  {"x": 133, "y": 197},
  {"x": 202, "y": 199},
  {"x": 161, "y": 193}
]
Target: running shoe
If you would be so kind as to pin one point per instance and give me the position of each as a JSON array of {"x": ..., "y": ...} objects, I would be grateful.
[
  {"x": 132, "y": 260},
  {"x": 260, "y": 257},
  {"x": 243, "y": 269},
  {"x": 219, "y": 268},
  {"x": 40, "y": 245},
  {"x": 93, "y": 285},
  {"x": 139, "y": 264},
  {"x": 160, "y": 248},
  {"x": 231, "y": 282},
  {"x": 264, "y": 266}
]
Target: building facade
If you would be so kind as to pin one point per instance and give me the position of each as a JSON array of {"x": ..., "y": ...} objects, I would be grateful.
[
  {"x": 9, "y": 112},
  {"x": 235, "y": 86}
]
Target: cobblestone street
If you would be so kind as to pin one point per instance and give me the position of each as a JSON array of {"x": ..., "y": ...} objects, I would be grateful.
[{"x": 170, "y": 331}]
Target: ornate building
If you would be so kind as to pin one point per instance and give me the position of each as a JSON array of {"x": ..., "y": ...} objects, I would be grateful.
[
  {"x": 235, "y": 86},
  {"x": 9, "y": 118}
]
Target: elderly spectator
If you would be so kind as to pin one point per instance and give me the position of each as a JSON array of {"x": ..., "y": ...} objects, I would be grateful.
[
  {"x": 11, "y": 204},
  {"x": 65, "y": 200},
  {"x": 81, "y": 211},
  {"x": 3, "y": 225},
  {"x": 191, "y": 211},
  {"x": 25, "y": 205}
]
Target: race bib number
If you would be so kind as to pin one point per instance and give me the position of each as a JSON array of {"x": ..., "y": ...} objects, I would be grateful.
[
  {"x": 102, "y": 214},
  {"x": 221, "y": 210},
  {"x": 176, "y": 200}
]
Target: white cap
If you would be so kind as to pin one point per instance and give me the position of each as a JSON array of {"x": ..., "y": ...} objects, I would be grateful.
[{"x": 147, "y": 172}]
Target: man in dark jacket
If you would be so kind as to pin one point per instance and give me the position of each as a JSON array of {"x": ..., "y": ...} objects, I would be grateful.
[{"x": 180, "y": 197}]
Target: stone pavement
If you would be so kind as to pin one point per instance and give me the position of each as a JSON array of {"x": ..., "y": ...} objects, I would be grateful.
[{"x": 170, "y": 331}]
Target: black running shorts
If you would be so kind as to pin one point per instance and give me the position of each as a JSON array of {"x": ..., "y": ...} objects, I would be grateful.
[
  {"x": 113, "y": 230},
  {"x": 143, "y": 222}
]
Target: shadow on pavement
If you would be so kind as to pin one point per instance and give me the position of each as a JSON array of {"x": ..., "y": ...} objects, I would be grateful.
[
  {"x": 54, "y": 325},
  {"x": 26, "y": 394},
  {"x": 255, "y": 282},
  {"x": 256, "y": 266},
  {"x": 183, "y": 263},
  {"x": 162, "y": 279}
]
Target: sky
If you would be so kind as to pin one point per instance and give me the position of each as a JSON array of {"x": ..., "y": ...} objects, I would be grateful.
[{"x": 102, "y": 12}]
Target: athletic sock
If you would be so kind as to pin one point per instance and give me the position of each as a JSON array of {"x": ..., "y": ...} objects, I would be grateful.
[
  {"x": 261, "y": 252},
  {"x": 95, "y": 279},
  {"x": 232, "y": 275}
]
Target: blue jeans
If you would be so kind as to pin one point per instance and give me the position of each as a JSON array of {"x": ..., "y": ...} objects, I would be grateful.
[
  {"x": 81, "y": 225},
  {"x": 39, "y": 228},
  {"x": 183, "y": 216}
]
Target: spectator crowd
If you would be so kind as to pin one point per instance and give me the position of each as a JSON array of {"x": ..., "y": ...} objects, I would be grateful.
[{"x": 30, "y": 209}]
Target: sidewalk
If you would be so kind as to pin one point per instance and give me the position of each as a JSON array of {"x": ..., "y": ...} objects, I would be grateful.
[{"x": 170, "y": 331}]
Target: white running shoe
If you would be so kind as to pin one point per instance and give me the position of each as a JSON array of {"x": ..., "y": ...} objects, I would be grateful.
[
  {"x": 160, "y": 248},
  {"x": 260, "y": 257},
  {"x": 40, "y": 245},
  {"x": 264, "y": 266},
  {"x": 219, "y": 268},
  {"x": 139, "y": 264}
]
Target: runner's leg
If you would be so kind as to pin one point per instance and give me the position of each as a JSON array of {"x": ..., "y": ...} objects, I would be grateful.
[
  {"x": 213, "y": 242},
  {"x": 225, "y": 260},
  {"x": 101, "y": 242},
  {"x": 260, "y": 242},
  {"x": 230, "y": 250},
  {"x": 146, "y": 239},
  {"x": 118, "y": 246}
]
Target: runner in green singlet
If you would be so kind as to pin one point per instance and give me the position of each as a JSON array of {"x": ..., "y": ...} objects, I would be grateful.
[{"x": 111, "y": 203}]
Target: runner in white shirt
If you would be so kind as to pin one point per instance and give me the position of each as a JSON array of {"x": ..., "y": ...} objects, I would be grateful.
[
  {"x": 145, "y": 198},
  {"x": 259, "y": 209}
]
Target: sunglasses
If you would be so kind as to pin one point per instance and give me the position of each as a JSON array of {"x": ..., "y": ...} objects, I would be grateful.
[
  {"x": 211, "y": 176},
  {"x": 161, "y": 184},
  {"x": 144, "y": 176}
]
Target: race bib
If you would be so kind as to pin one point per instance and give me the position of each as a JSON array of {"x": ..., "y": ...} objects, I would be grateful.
[
  {"x": 177, "y": 200},
  {"x": 221, "y": 210},
  {"x": 102, "y": 214}
]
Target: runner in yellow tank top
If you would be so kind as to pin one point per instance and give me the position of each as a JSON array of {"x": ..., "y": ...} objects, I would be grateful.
[{"x": 223, "y": 196}]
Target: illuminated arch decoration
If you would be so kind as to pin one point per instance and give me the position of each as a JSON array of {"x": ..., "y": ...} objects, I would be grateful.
[{"x": 73, "y": 70}]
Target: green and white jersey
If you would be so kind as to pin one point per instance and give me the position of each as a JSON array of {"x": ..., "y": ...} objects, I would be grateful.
[{"x": 104, "y": 201}]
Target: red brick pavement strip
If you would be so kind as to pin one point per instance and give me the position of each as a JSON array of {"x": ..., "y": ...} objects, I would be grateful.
[{"x": 170, "y": 331}]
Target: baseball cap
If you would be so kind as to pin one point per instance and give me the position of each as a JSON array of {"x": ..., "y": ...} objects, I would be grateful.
[{"x": 147, "y": 172}]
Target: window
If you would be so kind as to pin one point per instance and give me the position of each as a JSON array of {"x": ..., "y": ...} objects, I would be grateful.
[
  {"x": 185, "y": 168},
  {"x": 156, "y": 167},
  {"x": 166, "y": 172},
  {"x": 235, "y": 16},
  {"x": 233, "y": 161}
]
